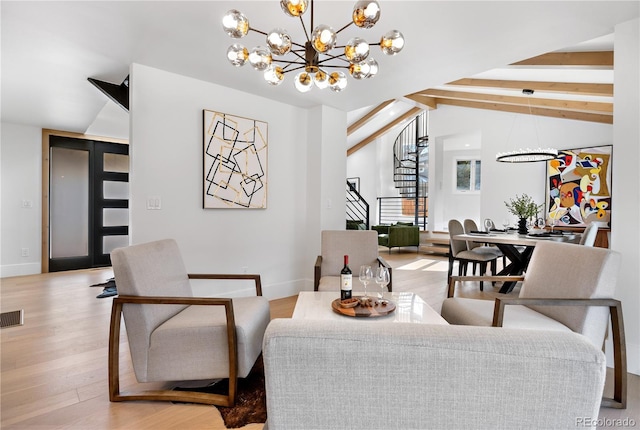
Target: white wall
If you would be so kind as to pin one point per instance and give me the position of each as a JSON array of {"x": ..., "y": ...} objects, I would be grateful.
[
  {"x": 20, "y": 199},
  {"x": 279, "y": 242},
  {"x": 625, "y": 231},
  {"x": 445, "y": 202},
  {"x": 505, "y": 131}
]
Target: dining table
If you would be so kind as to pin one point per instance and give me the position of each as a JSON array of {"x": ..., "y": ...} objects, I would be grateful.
[{"x": 516, "y": 247}]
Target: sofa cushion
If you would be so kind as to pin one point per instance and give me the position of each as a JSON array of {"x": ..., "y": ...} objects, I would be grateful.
[
  {"x": 331, "y": 283},
  {"x": 461, "y": 311},
  {"x": 186, "y": 362}
]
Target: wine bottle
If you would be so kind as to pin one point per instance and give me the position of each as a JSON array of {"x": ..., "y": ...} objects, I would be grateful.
[{"x": 345, "y": 280}]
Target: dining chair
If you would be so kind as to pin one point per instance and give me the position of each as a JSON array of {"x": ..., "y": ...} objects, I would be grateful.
[
  {"x": 174, "y": 336},
  {"x": 469, "y": 226},
  {"x": 360, "y": 245},
  {"x": 458, "y": 251},
  {"x": 566, "y": 287},
  {"x": 589, "y": 234}
]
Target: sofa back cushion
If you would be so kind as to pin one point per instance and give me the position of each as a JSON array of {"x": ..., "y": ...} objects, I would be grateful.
[
  {"x": 149, "y": 269},
  {"x": 321, "y": 374}
]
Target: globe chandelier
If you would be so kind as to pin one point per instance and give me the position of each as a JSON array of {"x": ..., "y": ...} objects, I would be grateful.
[
  {"x": 318, "y": 59},
  {"x": 527, "y": 155}
]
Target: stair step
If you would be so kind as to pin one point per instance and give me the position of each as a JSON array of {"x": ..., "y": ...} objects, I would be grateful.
[{"x": 436, "y": 242}]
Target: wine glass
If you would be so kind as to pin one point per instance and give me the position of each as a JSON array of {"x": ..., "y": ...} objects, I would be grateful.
[
  {"x": 366, "y": 275},
  {"x": 552, "y": 220},
  {"x": 382, "y": 279},
  {"x": 505, "y": 223}
]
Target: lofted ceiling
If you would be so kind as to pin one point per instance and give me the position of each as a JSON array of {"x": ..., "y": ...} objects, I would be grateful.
[
  {"x": 573, "y": 83},
  {"x": 462, "y": 53}
]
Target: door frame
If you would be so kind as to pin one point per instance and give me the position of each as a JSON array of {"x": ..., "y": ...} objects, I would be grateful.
[{"x": 46, "y": 133}]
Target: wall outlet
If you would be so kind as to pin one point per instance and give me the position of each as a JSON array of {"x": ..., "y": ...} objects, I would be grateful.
[
  {"x": 25, "y": 252},
  {"x": 244, "y": 269},
  {"x": 27, "y": 204}
]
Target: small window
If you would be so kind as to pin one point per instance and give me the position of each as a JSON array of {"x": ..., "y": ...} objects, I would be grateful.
[{"x": 468, "y": 173}]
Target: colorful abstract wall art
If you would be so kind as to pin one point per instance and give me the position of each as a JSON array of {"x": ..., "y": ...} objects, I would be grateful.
[
  {"x": 579, "y": 187},
  {"x": 235, "y": 161}
]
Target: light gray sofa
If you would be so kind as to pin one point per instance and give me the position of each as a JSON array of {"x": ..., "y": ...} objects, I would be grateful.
[{"x": 375, "y": 375}]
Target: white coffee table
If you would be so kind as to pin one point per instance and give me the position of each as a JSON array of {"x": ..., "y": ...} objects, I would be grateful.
[{"x": 409, "y": 308}]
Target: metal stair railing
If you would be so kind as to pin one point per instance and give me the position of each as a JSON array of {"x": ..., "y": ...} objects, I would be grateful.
[
  {"x": 394, "y": 209},
  {"x": 357, "y": 206}
]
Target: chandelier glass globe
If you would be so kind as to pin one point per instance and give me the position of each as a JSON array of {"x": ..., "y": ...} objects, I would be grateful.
[
  {"x": 294, "y": 8},
  {"x": 279, "y": 41},
  {"x": 260, "y": 58},
  {"x": 237, "y": 55},
  {"x": 321, "y": 79},
  {"x": 235, "y": 24},
  {"x": 303, "y": 82},
  {"x": 366, "y": 13},
  {"x": 356, "y": 50},
  {"x": 392, "y": 42},
  {"x": 337, "y": 81},
  {"x": 273, "y": 75},
  {"x": 323, "y": 38}
]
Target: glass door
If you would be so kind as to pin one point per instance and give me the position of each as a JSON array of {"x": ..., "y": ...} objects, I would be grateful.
[{"x": 88, "y": 202}]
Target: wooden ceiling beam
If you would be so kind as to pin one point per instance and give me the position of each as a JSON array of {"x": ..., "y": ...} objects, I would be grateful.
[
  {"x": 368, "y": 116},
  {"x": 554, "y": 113},
  {"x": 420, "y": 98},
  {"x": 589, "y": 58},
  {"x": 559, "y": 87},
  {"x": 576, "y": 105},
  {"x": 412, "y": 112}
]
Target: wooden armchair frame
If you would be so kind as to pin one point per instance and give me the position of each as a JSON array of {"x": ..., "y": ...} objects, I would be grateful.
[
  {"x": 174, "y": 395},
  {"x": 317, "y": 272},
  {"x": 619, "y": 399}
]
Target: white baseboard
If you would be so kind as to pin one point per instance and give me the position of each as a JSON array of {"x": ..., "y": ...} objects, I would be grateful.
[{"x": 9, "y": 270}]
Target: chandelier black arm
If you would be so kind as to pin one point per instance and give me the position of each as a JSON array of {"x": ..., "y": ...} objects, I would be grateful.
[
  {"x": 304, "y": 27},
  {"x": 346, "y": 26},
  {"x": 257, "y": 31},
  {"x": 288, "y": 62},
  {"x": 292, "y": 70},
  {"x": 334, "y": 66},
  {"x": 333, "y": 57},
  {"x": 297, "y": 55}
]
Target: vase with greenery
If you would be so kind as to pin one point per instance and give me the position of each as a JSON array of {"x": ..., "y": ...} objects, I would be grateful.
[{"x": 523, "y": 207}]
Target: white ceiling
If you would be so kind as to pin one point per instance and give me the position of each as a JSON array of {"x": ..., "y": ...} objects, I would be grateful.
[{"x": 50, "y": 48}]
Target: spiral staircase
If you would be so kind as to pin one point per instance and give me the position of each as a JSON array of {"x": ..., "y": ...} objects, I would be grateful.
[{"x": 411, "y": 159}]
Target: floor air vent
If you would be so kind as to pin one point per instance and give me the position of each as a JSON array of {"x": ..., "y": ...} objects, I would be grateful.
[{"x": 10, "y": 319}]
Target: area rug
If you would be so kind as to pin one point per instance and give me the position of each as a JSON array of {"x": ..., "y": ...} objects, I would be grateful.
[
  {"x": 251, "y": 405},
  {"x": 109, "y": 289}
]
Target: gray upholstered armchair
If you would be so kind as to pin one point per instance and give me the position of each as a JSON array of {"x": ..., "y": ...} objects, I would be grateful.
[
  {"x": 360, "y": 245},
  {"x": 566, "y": 288},
  {"x": 174, "y": 336}
]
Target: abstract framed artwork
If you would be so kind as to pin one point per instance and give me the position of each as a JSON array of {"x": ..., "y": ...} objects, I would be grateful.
[
  {"x": 578, "y": 189},
  {"x": 354, "y": 185},
  {"x": 235, "y": 161}
]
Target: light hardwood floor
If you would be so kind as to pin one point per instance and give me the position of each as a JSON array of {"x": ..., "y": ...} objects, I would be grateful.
[{"x": 54, "y": 367}]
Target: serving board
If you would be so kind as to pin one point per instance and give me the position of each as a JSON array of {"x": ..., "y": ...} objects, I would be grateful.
[{"x": 376, "y": 310}]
